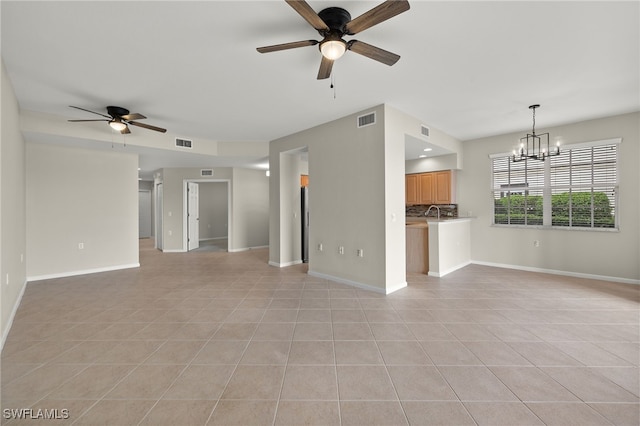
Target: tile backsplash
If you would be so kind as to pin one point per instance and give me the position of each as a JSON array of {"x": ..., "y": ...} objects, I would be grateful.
[{"x": 446, "y": 210}]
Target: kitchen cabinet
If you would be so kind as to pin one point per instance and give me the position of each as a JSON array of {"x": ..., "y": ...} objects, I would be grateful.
[
  {"x": 411, "y": 189},
  {"x": 417, "y": 242},
  {"x": 430, "y": 188},
  {"x": 442, "y": 186}
]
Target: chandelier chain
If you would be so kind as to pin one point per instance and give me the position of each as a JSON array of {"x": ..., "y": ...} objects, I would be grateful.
[{"x": 534, "y": 120}]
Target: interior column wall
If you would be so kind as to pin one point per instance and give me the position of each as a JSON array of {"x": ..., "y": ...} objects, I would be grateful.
[
  {"x": 12, "y": 206},
  {"x": 348, "y": 202}
]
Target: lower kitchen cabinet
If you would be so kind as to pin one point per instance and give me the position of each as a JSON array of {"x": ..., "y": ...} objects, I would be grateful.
[{"x": 417, "y": 241}]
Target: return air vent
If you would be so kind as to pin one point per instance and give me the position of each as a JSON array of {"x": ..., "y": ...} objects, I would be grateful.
[
  {"x": 206, "y": 172},
  {"x": 367, "y": 120},
  {"x": 424, "y": 130},
  {"x": 183, "y": 143}
]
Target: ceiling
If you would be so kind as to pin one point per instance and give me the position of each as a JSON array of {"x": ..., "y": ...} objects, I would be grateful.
[{"x": 469, "y": 69}]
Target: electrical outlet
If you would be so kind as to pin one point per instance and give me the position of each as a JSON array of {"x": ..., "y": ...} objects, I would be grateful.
[
  {"x": 320, "y": 247},
  {"x": 80, "y": 246},
  {"x": 360, "y": 253},
  {"x": 341, "y": 250}
]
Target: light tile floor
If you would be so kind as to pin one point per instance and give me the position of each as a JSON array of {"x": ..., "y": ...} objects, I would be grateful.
[{"x": 223, "y": 339}]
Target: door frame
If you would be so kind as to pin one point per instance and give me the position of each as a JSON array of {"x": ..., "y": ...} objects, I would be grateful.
[
  {"x": 193, "y": 227},
  {"x": 159, "y": 225},
  {"x": 185, "y": 218}
]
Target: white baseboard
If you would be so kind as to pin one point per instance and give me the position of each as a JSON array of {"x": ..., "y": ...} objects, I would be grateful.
[
  {"x": 82, "y": 272},
  {"x": 246, "y": 249},
  {"x": 285, "y": 264},
  {"x": 174, "y": 251},
  {"x": 448, "y": 271},
  {"x": 558, "y": 272},
  {"x": 394, "y": 288},
  {"x": 14, "y": 311},
  {"x": 390, "y": 289}
]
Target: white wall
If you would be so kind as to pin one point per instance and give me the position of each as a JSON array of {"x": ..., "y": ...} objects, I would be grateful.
[
  {"x": 74, "y": 196},
  {"x": 433, "y": 164},
  {"x": 249, "y": 206},
  {"x": 12, "y": 206},
  {"x": 174, "y": 202},
  {"x": 350, "y": 171},
  {"x": 600, "y": 254}
]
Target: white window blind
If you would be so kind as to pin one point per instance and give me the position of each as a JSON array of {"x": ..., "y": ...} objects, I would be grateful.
[
  {"x": 584, "y": 187},
  {"x": 576, "y": 189}
]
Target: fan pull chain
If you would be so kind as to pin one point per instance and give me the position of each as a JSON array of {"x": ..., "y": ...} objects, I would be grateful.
[{"x": 333, "y": 85}]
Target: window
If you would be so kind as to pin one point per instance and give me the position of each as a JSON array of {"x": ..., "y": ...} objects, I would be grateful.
[{"x": 576, "y": 189}]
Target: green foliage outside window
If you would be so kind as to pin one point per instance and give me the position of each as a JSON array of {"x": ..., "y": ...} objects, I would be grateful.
[{"x": 574, "y": 205}]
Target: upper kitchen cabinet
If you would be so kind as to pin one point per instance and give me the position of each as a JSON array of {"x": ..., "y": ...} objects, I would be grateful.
[
  {"x": 427, "y": 188},
  {"x": 430, "y": 188},
  {"x": 411, "y": 189},
  {"x": 442, "y": 193}
]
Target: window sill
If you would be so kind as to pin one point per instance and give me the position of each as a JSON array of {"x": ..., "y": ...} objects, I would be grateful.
[{"x": 556, "y": 228}]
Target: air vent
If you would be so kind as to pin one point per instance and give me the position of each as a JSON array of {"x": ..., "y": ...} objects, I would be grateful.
[
  {"x": 424, "y": 130},
  {"x": 206, "y": 172},
  {"x": 367, "y": 120},
  {"x": 183, "y": 143}
]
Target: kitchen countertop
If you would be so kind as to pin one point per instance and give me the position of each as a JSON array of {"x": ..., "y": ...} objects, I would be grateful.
[
  {"x": 420, "y": 222},
  {"x": 417, "y": 225}
]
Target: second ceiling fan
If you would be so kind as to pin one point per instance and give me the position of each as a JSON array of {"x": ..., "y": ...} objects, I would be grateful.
[{"x": 333, "y": 24}]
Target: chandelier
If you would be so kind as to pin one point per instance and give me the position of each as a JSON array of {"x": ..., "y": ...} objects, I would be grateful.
[{"x": 535, "y": 146}]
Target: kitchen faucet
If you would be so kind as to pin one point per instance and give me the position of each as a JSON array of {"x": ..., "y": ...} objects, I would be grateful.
[{"x": 429, "y": 209}]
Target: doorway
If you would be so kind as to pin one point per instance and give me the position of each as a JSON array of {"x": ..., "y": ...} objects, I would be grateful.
[
  {"x": 207, "y": 215},
  {"x": 144, "y": 213}
]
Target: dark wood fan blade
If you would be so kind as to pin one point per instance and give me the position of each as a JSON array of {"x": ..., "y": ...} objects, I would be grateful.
[
  {"x": 98, "y": 119},
  {"x": 373, "y": 52},
  {"x": 134, "y": 116},
  {"x": 284, "y": 46},
  {"x": 380, "y": 13},
  {"x": 310, "y": 15},
  {"x": 88, "y": 110},
  {"x": 125, "y": 130},
  {"x": 325, "y": 68},
  {"x": 147, "y": 126}
]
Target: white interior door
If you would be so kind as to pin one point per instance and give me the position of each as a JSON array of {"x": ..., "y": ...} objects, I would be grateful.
[
  {"x": 159, "y": 211},
  {"x": 193, "y": 207}
]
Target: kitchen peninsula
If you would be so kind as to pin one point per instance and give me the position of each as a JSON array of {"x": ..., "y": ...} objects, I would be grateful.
[{"x": 437, "y": 246}]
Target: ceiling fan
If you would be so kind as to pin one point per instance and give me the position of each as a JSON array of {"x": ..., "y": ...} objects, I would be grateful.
[
  {"x": 333, "y": 24},
  {"x": 119, "y": 118}
]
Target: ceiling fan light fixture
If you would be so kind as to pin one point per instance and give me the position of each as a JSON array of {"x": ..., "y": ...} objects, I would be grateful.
[
  {"x": 117, "y": 125},
  {"x": 333, "y": 49}
]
